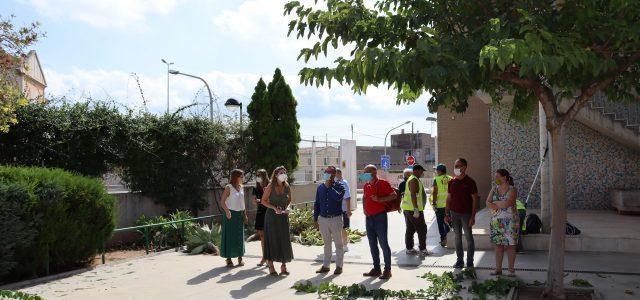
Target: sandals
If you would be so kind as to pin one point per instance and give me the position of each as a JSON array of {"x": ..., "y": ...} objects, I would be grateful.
[
  {"x": 240, "y": 263},
  {"x": 229, "y": 263},
  {"x": 512, "y": 273},
  {"x": 496, "y": 273},
  {"x": 272, "y": 271},
  {"x": 262, "y": 262},
  {"x": 283, "y": 271}
]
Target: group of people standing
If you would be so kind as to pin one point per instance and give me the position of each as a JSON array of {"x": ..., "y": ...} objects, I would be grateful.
[
  {"x": 454, "y": 200},
  {"x": 272, "y": 197}
]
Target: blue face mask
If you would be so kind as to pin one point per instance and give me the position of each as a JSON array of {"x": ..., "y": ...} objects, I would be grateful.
[
  {"x": 366, "y": 177},
  {"x": 326, "y": 176}
]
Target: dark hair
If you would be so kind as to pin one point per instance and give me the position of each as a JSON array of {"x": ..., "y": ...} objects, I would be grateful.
[
  {"x": 274, "y": 175},
  {"x": 262, "y": 173},
  {"x": 418, "y": 168},
  {"x": 463, "y": 161},
  {"x": 235, "y": 174},
  {"x": 505, "y": 173}
]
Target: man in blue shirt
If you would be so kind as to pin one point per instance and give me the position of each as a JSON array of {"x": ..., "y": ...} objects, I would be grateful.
[{"x": 327, "y": 215}]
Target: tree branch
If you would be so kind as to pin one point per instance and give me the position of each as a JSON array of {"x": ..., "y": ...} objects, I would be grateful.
[{"x": 589, "y": 90}]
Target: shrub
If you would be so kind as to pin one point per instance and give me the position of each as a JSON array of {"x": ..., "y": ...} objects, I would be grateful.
[
  {"x": 204, "y": 240},
  {"x": 19, "y": 232},
  {"x": 72, "y": 217},
  {"x": 167, "y": 235}
]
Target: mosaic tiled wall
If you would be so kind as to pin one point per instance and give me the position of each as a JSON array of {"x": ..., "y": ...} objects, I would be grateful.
[{"x": 595, "y": 163}]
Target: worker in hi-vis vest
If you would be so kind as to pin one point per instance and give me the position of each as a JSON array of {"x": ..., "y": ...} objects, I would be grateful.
[
  {"x": 413, "y": 203},
  {"x": 439, "y": 200},
  {"x": 522, "y": 213}
]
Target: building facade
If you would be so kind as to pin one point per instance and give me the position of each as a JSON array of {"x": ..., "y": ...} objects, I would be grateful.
[{"x": 30, "y": 78}]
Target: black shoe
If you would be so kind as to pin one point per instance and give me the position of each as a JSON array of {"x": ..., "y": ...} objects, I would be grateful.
[
  {"x": 469, "y": 265},
  {"x": 458, "y": 265}
]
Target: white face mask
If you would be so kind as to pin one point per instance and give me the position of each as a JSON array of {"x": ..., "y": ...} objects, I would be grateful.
[
  {"x": 282, "y": 177},
  {"x": 457, "y": 172},
  {"x": 259, "y": 180}
]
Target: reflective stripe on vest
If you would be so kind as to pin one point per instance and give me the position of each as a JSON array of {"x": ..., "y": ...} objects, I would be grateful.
[
  {"x": 407, "y": 204},
  {"x": 442, "y": 182}
]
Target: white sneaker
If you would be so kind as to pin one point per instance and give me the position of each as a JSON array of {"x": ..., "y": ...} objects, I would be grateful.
[{"x": 411, "y": 251}]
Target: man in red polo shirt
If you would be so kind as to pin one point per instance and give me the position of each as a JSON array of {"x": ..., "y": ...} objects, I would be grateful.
[
  {"x": 376, "y": 193},
  {"x": 460, "y": 211}
]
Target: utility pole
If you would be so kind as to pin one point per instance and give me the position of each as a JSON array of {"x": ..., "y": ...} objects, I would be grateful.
[
  {"x": 168, "y": 68},
  {"x": 314, "y": 163},
  {"x": 351, "y": 131},
  {"x": 411, "y": 140}
]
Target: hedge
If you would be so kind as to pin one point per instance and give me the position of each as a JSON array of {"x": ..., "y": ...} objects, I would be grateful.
[{"x": 50, "y": 218}]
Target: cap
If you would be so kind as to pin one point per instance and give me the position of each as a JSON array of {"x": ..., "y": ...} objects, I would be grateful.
[
  {"x": 418, "y": 168},
  {"x": 441, "y": 168}
]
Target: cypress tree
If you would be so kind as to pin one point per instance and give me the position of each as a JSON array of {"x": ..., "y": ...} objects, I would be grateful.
[{"x": 273, "y": 125}]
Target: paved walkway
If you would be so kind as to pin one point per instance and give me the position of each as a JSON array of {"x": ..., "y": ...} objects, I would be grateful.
[{"x": 172, "y": 275}]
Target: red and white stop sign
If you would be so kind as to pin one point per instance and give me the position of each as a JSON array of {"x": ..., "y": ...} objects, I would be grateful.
[{"x": 411, "y": 160}]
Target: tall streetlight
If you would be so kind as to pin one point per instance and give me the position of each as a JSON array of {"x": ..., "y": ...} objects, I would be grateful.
[
  {"x": 392, "y": 129},
  {"x": 168, "y": 71},
  {"x": 434, "y": 120},
  {"x": 233, "y": 104},
  {"x": 175, "y": 72}
]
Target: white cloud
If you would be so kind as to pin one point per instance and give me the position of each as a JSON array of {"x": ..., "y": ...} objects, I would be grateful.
[
  {"x": 320, "y": 110},
  {"x": 123, "y": 14}
]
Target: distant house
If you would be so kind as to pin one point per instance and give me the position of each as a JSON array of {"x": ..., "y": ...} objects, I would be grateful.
[{"x": 30, "y": 77}]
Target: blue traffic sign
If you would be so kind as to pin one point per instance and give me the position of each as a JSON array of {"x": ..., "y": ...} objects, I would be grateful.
[{"x": 385, "y": 162}]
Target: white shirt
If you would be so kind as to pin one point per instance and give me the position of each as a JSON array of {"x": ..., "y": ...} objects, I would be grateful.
[
  {"x": 347, "y": 194},
  {"x": 235, "y": 201}
]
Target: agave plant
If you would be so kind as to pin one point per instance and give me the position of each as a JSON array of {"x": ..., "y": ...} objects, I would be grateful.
[{"x": 204, "y": 240}]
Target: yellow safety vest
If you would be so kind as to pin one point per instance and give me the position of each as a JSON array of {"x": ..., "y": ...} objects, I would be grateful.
[
  {"x": 407, "y": 204},
  {"x": 442, "y": 182},
  {"x": 519, "y": 205}
]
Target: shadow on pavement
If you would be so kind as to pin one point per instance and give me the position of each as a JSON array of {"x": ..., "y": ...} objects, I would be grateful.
[
  {"x": 243, "y": 274},
  {"x": 254, "y": 286},
  {"x": 207, "y": 275}
]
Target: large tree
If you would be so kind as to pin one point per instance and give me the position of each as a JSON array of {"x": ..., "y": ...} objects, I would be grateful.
[
  {"x": 538, "y": 51},
  {"x": 14, "y": 41},
  {"x": 274, "y": 128}
]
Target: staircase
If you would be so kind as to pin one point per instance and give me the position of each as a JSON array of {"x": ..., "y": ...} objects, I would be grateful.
[{"x": 617, "y": 120}]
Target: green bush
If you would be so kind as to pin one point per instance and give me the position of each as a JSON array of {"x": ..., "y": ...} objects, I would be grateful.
[
  {"x": 18, "y": 295},
  {"x": 69, "y": 218},
  {"x": 167, "y": 235}
]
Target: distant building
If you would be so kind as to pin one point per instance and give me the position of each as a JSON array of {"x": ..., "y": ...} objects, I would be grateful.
[
  {"x": 325, "y": 156},
  {"x": 30, "y": 77},
  {"x": 423, "y": 151}
]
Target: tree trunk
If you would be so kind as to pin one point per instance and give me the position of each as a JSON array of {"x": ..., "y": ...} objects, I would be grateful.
[
  {"x": 545, "y": 172},
  {"x": 555, "y": 273}
]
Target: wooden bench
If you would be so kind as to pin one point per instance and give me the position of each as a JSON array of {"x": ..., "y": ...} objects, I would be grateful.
[{"x": 626, "y": 201}]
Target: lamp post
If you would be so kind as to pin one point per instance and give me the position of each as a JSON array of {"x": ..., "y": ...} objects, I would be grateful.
[
  {"x": 392, "y": 129},
  {"x": 434, "y": 120},
  {"x": 233, "y": 104},
  {"x": 168, "y": 71},
  {"x": 175, "y": 72}
]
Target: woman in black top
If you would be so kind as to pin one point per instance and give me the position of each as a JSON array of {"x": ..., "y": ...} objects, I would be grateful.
[{"x": 262, "y": 180}]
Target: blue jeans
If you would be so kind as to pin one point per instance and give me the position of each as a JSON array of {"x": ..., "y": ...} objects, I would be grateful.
[
  {"x": 377, "y": 233},
  {"x": 443, "y": 228}
]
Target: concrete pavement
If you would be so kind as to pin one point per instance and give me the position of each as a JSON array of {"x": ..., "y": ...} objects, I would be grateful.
[{"x": 173, "y": 275}]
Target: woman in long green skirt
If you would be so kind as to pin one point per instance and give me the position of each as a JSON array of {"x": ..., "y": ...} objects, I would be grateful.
[
  {"x": 277, "y": 241},
  {"x": 232, "y": 243}
]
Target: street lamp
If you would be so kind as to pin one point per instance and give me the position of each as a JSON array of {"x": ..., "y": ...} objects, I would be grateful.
[
  {"x": 392, "y": 129},
  {"x": 168, "y": 69},
  {"x": 233, "y": 104},
  {"x": 434, "y": 120},
  {"x": 175, "y": 72}
]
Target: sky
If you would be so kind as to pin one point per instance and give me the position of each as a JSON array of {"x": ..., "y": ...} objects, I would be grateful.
[{"x": 92, "y": 49}]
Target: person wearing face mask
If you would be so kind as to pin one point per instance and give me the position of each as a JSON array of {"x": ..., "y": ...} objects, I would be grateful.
[
  {"x": 232, "y": 202},
  {"x": 327, "y": 216},
  {"x": 376, "y": 192},
  {"x": 505, "y": 222},
  {"x": 413, "y": 203},
  {"x": 403, "y": 185},
  {"x": 346, "y": 209},
  {"x": 439, "y": 200},
  {"x": 277, "y": 241},
  {"x": 261, "y": 182},
  {"x": 460, "y": 210}
]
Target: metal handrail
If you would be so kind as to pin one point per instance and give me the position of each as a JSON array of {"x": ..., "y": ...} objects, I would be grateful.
[{"x": 144, "y": 229}]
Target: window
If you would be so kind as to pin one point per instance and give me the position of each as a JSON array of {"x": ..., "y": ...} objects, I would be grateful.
[
  {"x": 309, "y": 161},
  {"x": 326, "y": 161}
]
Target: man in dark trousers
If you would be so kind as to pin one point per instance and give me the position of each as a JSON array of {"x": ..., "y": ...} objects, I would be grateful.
[
  {"x": 377, "y": 191},
  {"x": 460, "y": 210}
]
